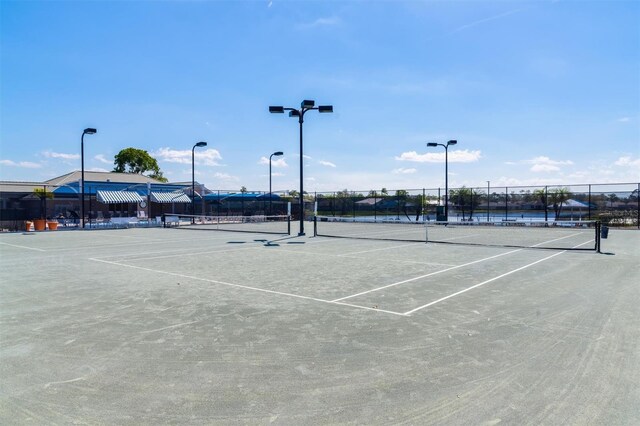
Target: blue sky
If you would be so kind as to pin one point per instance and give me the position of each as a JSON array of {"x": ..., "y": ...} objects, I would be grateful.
[{"x": 541, "y": 92}]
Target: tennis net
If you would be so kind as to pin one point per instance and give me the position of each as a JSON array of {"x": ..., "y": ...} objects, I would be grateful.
[
  {"x": 558, "y": 235},
  {"x": 257, "y": 223}
]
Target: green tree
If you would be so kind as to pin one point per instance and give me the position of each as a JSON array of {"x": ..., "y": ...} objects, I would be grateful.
[
  {"x": 133, "y": 160},
  {"x": 558, "y": 197},
  {"x": 463, "y": 199}
]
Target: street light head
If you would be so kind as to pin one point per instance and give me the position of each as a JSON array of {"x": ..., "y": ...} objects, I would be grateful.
[
  {"x": 89, "y": 131},
  {"x": 201, "y": 144},
  {"x": 276, "y": 109},
  {"x": 432, "y": 144},
  {"x": 325, "y": 108},
  {"x": 278, "y": 153},
  {"x": 307, "y": 104},
  {"x": 294, "y": 113},
  {"x": 452, "y": 142}
]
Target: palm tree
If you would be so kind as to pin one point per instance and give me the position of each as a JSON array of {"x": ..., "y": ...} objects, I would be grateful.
[
  {"x": 558, "y": 197},
  {"x": 460, "y": 197}
]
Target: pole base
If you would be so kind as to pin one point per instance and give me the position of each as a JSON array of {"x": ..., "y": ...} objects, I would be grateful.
[{"x": 301, "y": 234}]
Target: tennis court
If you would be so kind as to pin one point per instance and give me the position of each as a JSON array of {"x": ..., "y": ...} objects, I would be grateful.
[{"x": 165, "y": 325}]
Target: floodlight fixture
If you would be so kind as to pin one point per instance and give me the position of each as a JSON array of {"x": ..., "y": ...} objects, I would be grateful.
[
  {"x": 193, "y": 179},
  {"x": 87, "y": 131},
  {"x": 305, "y": 105},
  {"x": 446, "y": 172}
]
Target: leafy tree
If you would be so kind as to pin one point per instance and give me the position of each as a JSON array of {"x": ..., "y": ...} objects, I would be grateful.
[
  {"x": 557, "y": 197},
  {"x": 463, "y": 198},
  {"x": 243, "y": 189},
  {"x": 133, "y": 160}
]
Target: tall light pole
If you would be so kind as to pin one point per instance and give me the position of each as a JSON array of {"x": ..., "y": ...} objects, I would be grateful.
[
  {"x": 306, "y": 105},
  {"x": 193, "y": 177},
  {"x": 446, "y": 174},
  {"x": 277, "y": 154},
  {"x": 488, "y": 199},
  {"x": 87, "y": 131}
]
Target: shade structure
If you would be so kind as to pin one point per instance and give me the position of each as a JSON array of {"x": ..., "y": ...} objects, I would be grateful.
[
  {"x": 113, "y": 197},
  {"x": 169, "y": 197}
]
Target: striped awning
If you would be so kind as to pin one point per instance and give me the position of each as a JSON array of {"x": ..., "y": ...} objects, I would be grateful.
[
  {"x": 112, "y": 197},
  {"x": 169, "y": 197}
]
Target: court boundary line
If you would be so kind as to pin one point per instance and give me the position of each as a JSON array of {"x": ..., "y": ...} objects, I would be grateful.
[
  {"x": 280, "y": 293},
  {"x": 490, "y": 280},
  {"x": 23, "y": 247},
  {"x": 452, "y": 268},
  {"x": 424, "y": 276}
]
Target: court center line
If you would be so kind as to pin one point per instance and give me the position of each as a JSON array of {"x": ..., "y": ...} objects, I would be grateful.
[
  {"x": 191, "y": 253},
  {"x": 490, "y": 280},
  {"x": 243, "y": 286},
  {"x": 23, "y": 247},
  {"x": 482, "y": 283},
  {"x": 452, "y": 268},
  {"x": 426, "y": 275}
]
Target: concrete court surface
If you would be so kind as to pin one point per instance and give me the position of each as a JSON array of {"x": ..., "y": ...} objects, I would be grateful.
[{"x": 158, "y": 326}]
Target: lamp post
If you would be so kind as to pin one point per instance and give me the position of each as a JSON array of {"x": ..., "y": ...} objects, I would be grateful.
[
  {"x": 87, "y": 131},
  {"x": 277, "y": 154},
  {"x": 193, "y": 177},
  {"x": 306, "y": 105},
  {"x": 446, "y": 173},
  {"x": 488, "y": 199}
]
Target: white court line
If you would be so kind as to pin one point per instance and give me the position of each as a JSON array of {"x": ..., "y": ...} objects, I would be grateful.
[
  {"x": 490, "y": 280},
  {"x": 24, "y": 247},
  {"x": 243, "y": 286},
  {"x": 449, "y": 269},
  {"x": 188, "y": 253},
  {"x": 349, "y": 256},
  {"x": 426, "y": 275},
  {"x": 482, "y": 283},
  {"x": 378, "y": 249},
  {"x": 119, "y": 244}
]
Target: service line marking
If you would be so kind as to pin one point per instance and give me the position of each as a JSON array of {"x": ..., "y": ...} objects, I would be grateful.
[
  {"x": 23, "y": 247},
  {"x": 243, "y": 286},
  {"x": 425, "y": 276},
  {"x": 450, "y": 269},
  {"x": 490, "y": 280}
]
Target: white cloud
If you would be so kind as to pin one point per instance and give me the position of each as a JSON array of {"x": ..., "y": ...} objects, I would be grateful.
[
  {"x": 278, "y": 162},
  {"x": 320, "y": 22},
  {"x": 208, "y": 157},
  {"x": 623, "y": 120},
  {"x": 546, "y": 164},
  {"x": 460, "y": 156},
  {"x": 225, "y": 176},
  {"x": 627, "y": 161},
  {"x": 275, "y": 174},
  {"x": 23, "y": 164},
  {"x": 326, "y": 163},
  {"x": 402, "y": 171},
  {"x": 101, "y": 158},
  {"x": 98, "y": 169},
  {"x": 63, "y": 156}
]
